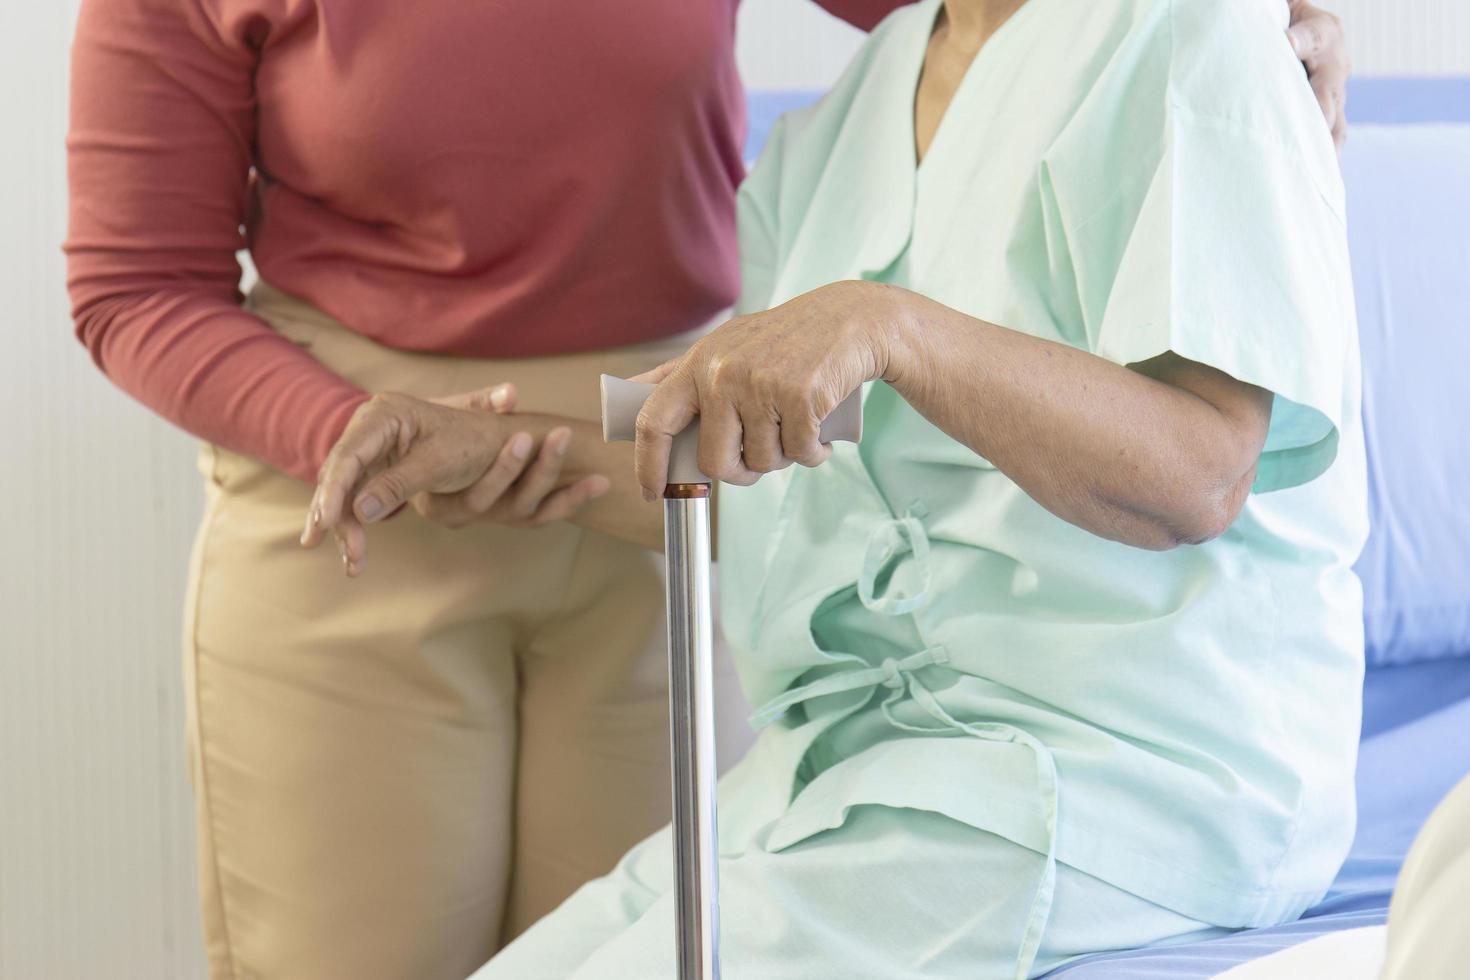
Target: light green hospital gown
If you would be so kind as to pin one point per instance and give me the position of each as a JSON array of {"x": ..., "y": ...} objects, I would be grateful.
[{"x": 992, "y": 740}]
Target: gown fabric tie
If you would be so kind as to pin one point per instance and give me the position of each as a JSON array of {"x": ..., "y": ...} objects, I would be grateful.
[
  {"x": 900, "y": 677},
  {"x": 891, "y": 540}
]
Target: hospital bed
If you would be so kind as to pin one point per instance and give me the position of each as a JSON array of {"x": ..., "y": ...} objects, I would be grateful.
[{"x": 1407, "y": 168}]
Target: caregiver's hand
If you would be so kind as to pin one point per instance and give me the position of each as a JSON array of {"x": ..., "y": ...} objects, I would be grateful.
[
  {"x": 762, "y": 384},
  {"x": 456, "y": 459},
  {"x": 1318, "y": 40}
]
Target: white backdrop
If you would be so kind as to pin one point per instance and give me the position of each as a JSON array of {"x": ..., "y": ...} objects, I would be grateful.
[{"x": 98, "y": 501}]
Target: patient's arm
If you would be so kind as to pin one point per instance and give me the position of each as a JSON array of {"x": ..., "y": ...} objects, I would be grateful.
[
  {"x": 576, "y": 477},
  {"x": 1159, "y": 455}
]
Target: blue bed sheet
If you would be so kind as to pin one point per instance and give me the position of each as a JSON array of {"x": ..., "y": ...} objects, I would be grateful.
[{"x": 1413, "y": 751}]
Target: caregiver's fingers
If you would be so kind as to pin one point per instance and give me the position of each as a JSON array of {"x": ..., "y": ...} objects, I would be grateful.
[
  {"x": 509, "y": 464},
  {"x": 368, "y": 438},
  {"x": 568, "y": 500},
  {"x": 1331, "y": 100},
  {"x": 476, "y": 500},
  {"x": 1318, "y": 39},
  {"x": 1316, "y": 35},
  {"x": 352, "y": 544},
  {"x": 1330, "y": 88},
  {"x": 499, "y": 398},
  {"x": 666, "y": 413},
  {"x": 542, "y": 477}
]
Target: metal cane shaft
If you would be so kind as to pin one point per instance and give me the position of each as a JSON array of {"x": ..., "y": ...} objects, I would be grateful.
[
  {"x": 691, "y": 653},
  {"x": 691, "y": 713}
]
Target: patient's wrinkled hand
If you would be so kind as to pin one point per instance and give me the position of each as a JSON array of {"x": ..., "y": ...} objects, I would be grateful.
[
  {"x": 456, "y": 459},
  {"x": 761, "y": 384}
]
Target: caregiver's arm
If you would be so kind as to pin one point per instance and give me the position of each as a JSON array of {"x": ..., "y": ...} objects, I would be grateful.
[
  {"x": 163, "y": 116},
  {"x": 1154, "y": 456}
]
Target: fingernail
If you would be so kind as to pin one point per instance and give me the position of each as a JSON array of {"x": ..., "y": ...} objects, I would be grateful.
[
  {"x": 600, "y": 487},
  {"x": 648, "y": 496},
  {"x": 498, "y": 396},
  {"x": 563, "y": 441},
  {"x": 313, "y": 519},
  {"x": 520, "y": 445},
  {"x": 369, "y": 507},
  {"x": 342, "y": 550}
]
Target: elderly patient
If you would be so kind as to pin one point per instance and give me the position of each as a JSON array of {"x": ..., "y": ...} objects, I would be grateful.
[{"x": 1064, "y": 656}]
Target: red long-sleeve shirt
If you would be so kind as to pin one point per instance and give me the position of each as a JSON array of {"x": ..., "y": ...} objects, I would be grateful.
[{"x": 505, "y": 179}]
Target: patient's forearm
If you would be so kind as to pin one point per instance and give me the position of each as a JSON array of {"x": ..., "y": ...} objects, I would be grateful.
[
  {"x": 622, "y": 511},
  {"x": 1152, "y": 461}
]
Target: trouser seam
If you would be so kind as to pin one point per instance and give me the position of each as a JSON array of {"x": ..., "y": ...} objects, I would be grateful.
[{"x": 205, "y": 799}]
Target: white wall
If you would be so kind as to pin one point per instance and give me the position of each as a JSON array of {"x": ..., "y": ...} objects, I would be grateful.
[
  {"x": 97, "y": 503},
  {"x": 96, "y": 507}
]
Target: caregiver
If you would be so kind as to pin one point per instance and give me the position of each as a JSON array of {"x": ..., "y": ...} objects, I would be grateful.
[{"x": 393, "y": 775}]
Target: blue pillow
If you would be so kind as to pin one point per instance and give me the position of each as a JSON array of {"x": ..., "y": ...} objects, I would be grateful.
[{"x": 1408, "y": 190}]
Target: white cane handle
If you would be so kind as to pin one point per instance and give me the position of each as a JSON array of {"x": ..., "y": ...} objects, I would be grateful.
[{"x": 622, "y": 400}]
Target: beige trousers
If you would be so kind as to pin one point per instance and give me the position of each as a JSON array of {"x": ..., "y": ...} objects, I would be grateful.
[{"x": 396, "y": 775}]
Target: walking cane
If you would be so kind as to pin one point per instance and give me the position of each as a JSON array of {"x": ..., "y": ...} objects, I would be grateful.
[{"x": 691, "y": 666}]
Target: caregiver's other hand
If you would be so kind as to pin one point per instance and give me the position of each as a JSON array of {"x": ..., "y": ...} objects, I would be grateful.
[
  {"x": 451, "y": 457},
  {"x": 1318, "y": 40},
  {"x": 393, "y": 447},
  {"x": 762, "y": 384}
]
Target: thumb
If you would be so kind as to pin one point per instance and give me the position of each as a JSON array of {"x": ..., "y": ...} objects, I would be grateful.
[
  {"x": 425, "y": 469},
  {"x": 669, "y": 410}
]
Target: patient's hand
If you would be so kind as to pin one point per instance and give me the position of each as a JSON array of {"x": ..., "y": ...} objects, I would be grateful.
[
  {"x": 456, "y": 459},
  {"x": 1318, "y": 40}
]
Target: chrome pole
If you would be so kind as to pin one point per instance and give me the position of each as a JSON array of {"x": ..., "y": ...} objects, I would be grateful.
[
  {"x": 691, "y": 666},
  {"x": 691, "y": 717}
]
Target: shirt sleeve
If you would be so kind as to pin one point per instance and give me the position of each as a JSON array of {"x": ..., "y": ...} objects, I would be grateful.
[{"x": 159, "y": 155}]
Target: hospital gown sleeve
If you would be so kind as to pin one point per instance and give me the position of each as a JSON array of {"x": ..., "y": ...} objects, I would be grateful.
[{"x": 1223, "y": 243}]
